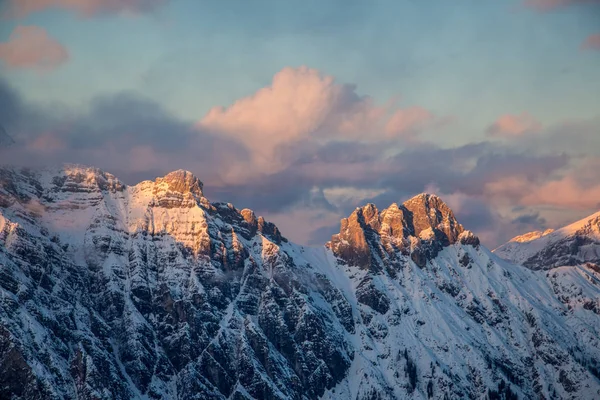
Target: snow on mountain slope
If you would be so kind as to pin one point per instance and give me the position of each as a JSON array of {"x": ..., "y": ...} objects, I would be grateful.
[
  {"x": 151, "y": 291},
  {"x": 574, "y": 244},
  {"x": 460, "y": 317}
]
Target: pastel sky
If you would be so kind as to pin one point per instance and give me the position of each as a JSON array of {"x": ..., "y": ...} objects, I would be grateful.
[{"x": 303, "y": 110}]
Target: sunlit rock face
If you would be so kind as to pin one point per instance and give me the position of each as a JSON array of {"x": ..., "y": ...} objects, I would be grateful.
[
  {"x": 109, "y": 291},
  {"x": 420, "y": 227}
]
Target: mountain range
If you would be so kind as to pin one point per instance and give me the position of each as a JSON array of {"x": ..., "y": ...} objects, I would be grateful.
[{"x": 110, "y": 291}]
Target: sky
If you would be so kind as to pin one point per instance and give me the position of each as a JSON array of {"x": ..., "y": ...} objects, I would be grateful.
[{"x": 305, "y": 110}]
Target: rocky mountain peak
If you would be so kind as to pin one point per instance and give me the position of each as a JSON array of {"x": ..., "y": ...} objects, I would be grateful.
[
  {"x": 178, "y": 189},
  {"x": 258, "y": 224},
  {"x": 423, "y": 221},
  {"x": 367, "y": 215},
  {"x": 428, "y": 211},
  {"x": 74, "y": 177},
  {"x": 182, "y": 181},
  {"x": 248, "y": 216}
]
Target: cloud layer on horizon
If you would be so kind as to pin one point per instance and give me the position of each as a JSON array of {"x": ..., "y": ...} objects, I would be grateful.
[{"x": 306, "y": 150}]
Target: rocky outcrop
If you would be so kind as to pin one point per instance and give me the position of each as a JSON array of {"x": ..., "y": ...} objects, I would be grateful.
[
  {"x": 420, "y": 228},
  {"x": 429, "y": 212},
  {"x": 178, "y": 189}
]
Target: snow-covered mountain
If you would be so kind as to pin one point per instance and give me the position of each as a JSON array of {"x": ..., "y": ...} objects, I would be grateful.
[
  {"x": 575, "y": 244},
  {"x": 111, "y": 291}
]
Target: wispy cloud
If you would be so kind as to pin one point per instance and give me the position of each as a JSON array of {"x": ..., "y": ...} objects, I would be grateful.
[
  {"x": 84, "y": 8},
  {"x": 514, "y": 125},
  {"x": 592, "y": 42},
  {"x": 30, "y": 47}
]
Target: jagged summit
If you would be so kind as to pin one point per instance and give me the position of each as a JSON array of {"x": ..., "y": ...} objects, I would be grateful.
[
  {"x": 419, "y": 227},
  {"x": 420, "y": 213},
  {"x": 430, "y": 212},
  {"x": 74, "y": 169},
  {"x": 177, "y": 188},
  {"x": 182, "y": 181}
]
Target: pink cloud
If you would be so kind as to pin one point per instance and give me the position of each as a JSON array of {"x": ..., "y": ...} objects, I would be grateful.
[
  {"x": 566, "y": 192},
  {"x": 297, "y": 103},
  {"x": 85, "y": 8},
  {"x": 31, "y": 47},
  {"x": 514, "y": 125},
  {"x": 47, "y": 142},
  {"x": 302, "y": 104},
  {"x": 508, "y": 189},
  {"x": 592, "y": 42},
  {"x": 549, "y": 5},
  {"x": 407, "y": 120},
  {"x": 575, "y": 188}
]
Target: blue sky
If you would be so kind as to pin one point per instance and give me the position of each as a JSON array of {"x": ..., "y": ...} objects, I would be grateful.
[
  {"x": 470, "y": 62},
  {"x": 450, "y": 56}
]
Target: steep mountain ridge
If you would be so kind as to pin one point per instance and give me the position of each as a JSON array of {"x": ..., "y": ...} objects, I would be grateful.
[
  {"x": 152, "y": 291},
  {"x": 133, "y": 291},
  {"x": 574, "y": 244}
]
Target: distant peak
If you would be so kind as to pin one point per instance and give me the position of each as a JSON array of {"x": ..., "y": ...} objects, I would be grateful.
[
  {"x": 571, "y": 245},
  {"x": 89, "y": 172},
  {"x": 530, "y": 236},
  {"x": 80, "y": 168}
]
